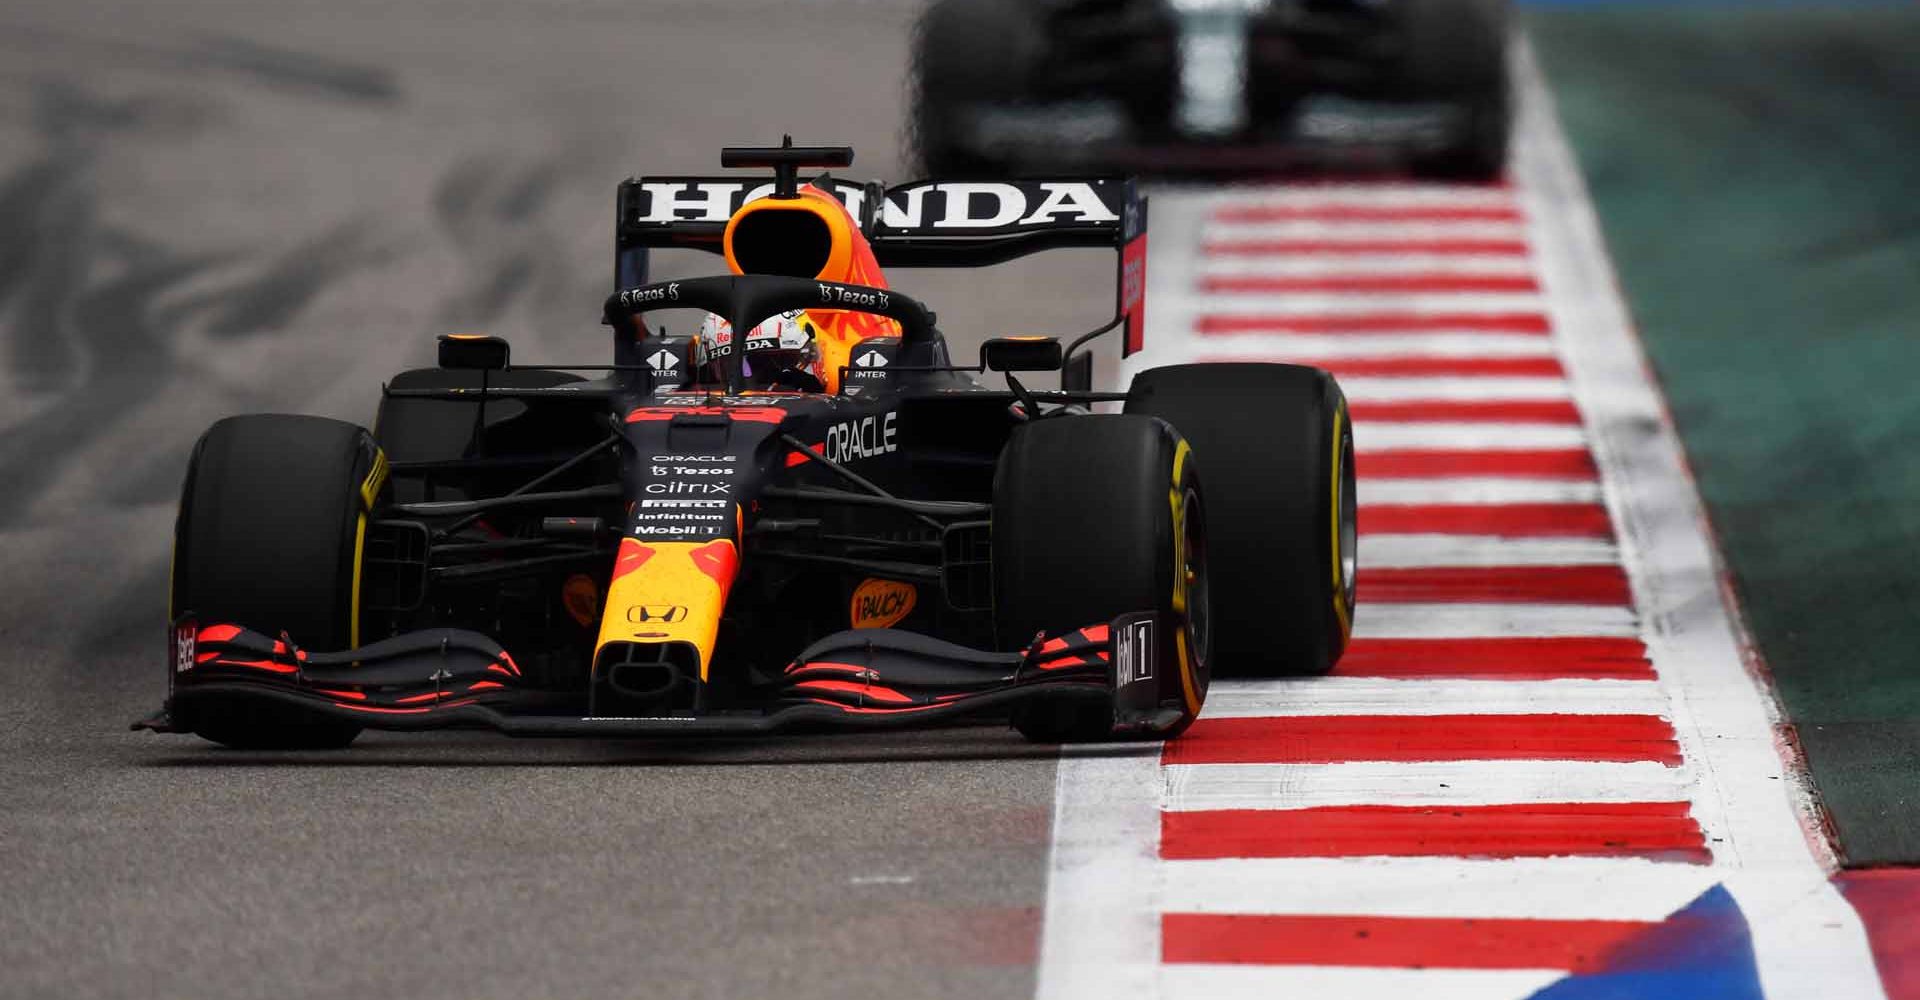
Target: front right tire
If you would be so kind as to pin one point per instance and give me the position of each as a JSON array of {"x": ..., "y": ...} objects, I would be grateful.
[{"x": 1095, "y": 517}]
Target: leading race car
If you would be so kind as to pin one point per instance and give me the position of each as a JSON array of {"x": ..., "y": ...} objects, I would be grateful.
[
  {"x": 806, "y": 517},
  {"x": 1212, "y": 86}
]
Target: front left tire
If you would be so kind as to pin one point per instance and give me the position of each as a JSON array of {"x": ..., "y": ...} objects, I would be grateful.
[{"x": 269, "y": 537}]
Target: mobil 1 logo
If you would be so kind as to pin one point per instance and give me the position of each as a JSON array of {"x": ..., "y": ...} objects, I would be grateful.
[{"x": 677, "y": 530}]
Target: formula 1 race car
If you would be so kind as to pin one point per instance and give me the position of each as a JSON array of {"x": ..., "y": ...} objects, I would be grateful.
[
  {"x": 805, "y": 517},
  {"x": 1212, "y": 86}
]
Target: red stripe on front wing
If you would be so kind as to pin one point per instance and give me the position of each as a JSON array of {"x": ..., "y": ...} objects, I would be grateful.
[{"x": 1329, "y": 739}]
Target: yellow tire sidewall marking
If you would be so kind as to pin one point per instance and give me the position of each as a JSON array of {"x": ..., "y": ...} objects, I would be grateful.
[{"x": 1177, "y": 499}]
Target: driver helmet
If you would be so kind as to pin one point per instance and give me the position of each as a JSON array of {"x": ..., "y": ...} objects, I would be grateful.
[{"x": 778, "y": 353}]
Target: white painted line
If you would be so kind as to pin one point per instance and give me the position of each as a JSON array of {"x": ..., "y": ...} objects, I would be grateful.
[
  {"x": 1354, "y": 264},
  {"x": 1448, "y": 388},
  {"x": 1370, "y": 303},
  {"x": 1284, "y": 982},
  {"x": 1378, "y": 435},
  {"x": 1231, "y": 699},
  {"x": 1472, "y": 621},
  {"x": 1196, "y": 787},
  {"x": 1274, "y": 346},
  {"x": 1808, "y": 942},
  {"x": 1474, "y": 491},
  {"x": 881, "y": 880},
  {"x": 1101, "y": 935},
  {"x": 1481, "y": 550},
  {"x": 1518, "y": 888}
]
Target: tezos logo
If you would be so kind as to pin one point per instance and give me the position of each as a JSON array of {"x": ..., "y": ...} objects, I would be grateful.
[
  {"x": 844, "y": 296},
  {"x": 670, "y": 292}
]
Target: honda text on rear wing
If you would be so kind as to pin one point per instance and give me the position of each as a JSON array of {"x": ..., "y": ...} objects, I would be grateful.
[{"x": 925, "y": 223}]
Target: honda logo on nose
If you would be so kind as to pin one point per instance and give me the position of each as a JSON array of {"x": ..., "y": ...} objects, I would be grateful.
[{"x": 655, "y": 614}]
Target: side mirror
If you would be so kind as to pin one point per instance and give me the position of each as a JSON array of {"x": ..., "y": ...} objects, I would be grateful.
[
  {"x": 1021, "y": 354},
  {"x": 473, "y": 350}
]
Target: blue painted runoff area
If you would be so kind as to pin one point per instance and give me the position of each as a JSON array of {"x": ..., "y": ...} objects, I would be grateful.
[{"x": 1703, "y": 952}]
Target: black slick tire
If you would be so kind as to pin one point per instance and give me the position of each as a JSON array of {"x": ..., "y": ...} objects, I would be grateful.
[
  {"x": 1095, "y": 517},
  {"x": 268, "y": 537},
  {"x": 1455, "y": 51},
  {"x": 1278, "y": 449},
  {"x": 967, "y": 54}
]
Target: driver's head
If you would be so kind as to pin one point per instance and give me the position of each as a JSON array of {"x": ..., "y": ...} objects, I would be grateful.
[{"x": 780, "y": 353}]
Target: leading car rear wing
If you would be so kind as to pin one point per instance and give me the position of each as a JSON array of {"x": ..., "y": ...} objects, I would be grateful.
[{"x": 918, "y": 224}]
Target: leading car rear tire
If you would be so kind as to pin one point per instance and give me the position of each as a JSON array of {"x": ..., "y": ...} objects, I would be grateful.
[
  {"x": 967, "y": 54},
  {"x": 1456, "y": 51},
  {"x": 268, "y": 537},
  {"x": 1095, "y": 517},
  {"x": 1278, "y": 449}
]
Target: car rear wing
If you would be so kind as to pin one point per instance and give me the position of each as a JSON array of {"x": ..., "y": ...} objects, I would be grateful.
[{"x": 928, "y": 223}]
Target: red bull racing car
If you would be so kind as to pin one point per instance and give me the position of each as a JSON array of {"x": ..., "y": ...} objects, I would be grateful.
[
  {"x": 806, "y": 517},
  {"x": 1213, "y": 86}
]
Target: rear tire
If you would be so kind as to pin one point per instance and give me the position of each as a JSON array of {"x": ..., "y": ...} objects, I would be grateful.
[
  {"x": 1278, "y": 448},
  {"x": 967, "y": 54},
  {"x": 268, "y": 537},
  {"x": 1456, "y": 51},
  {"x": 1095, "y": 517}
]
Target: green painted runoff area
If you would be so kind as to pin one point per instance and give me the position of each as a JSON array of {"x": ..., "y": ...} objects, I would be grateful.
[{"x": 1757, "y": 174}]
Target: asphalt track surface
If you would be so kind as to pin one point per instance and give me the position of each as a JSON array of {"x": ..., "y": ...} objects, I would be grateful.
[{"x": 212, "y": 208}]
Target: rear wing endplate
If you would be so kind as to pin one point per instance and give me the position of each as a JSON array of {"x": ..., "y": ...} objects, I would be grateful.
[{"x": 918, "y": 224}]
